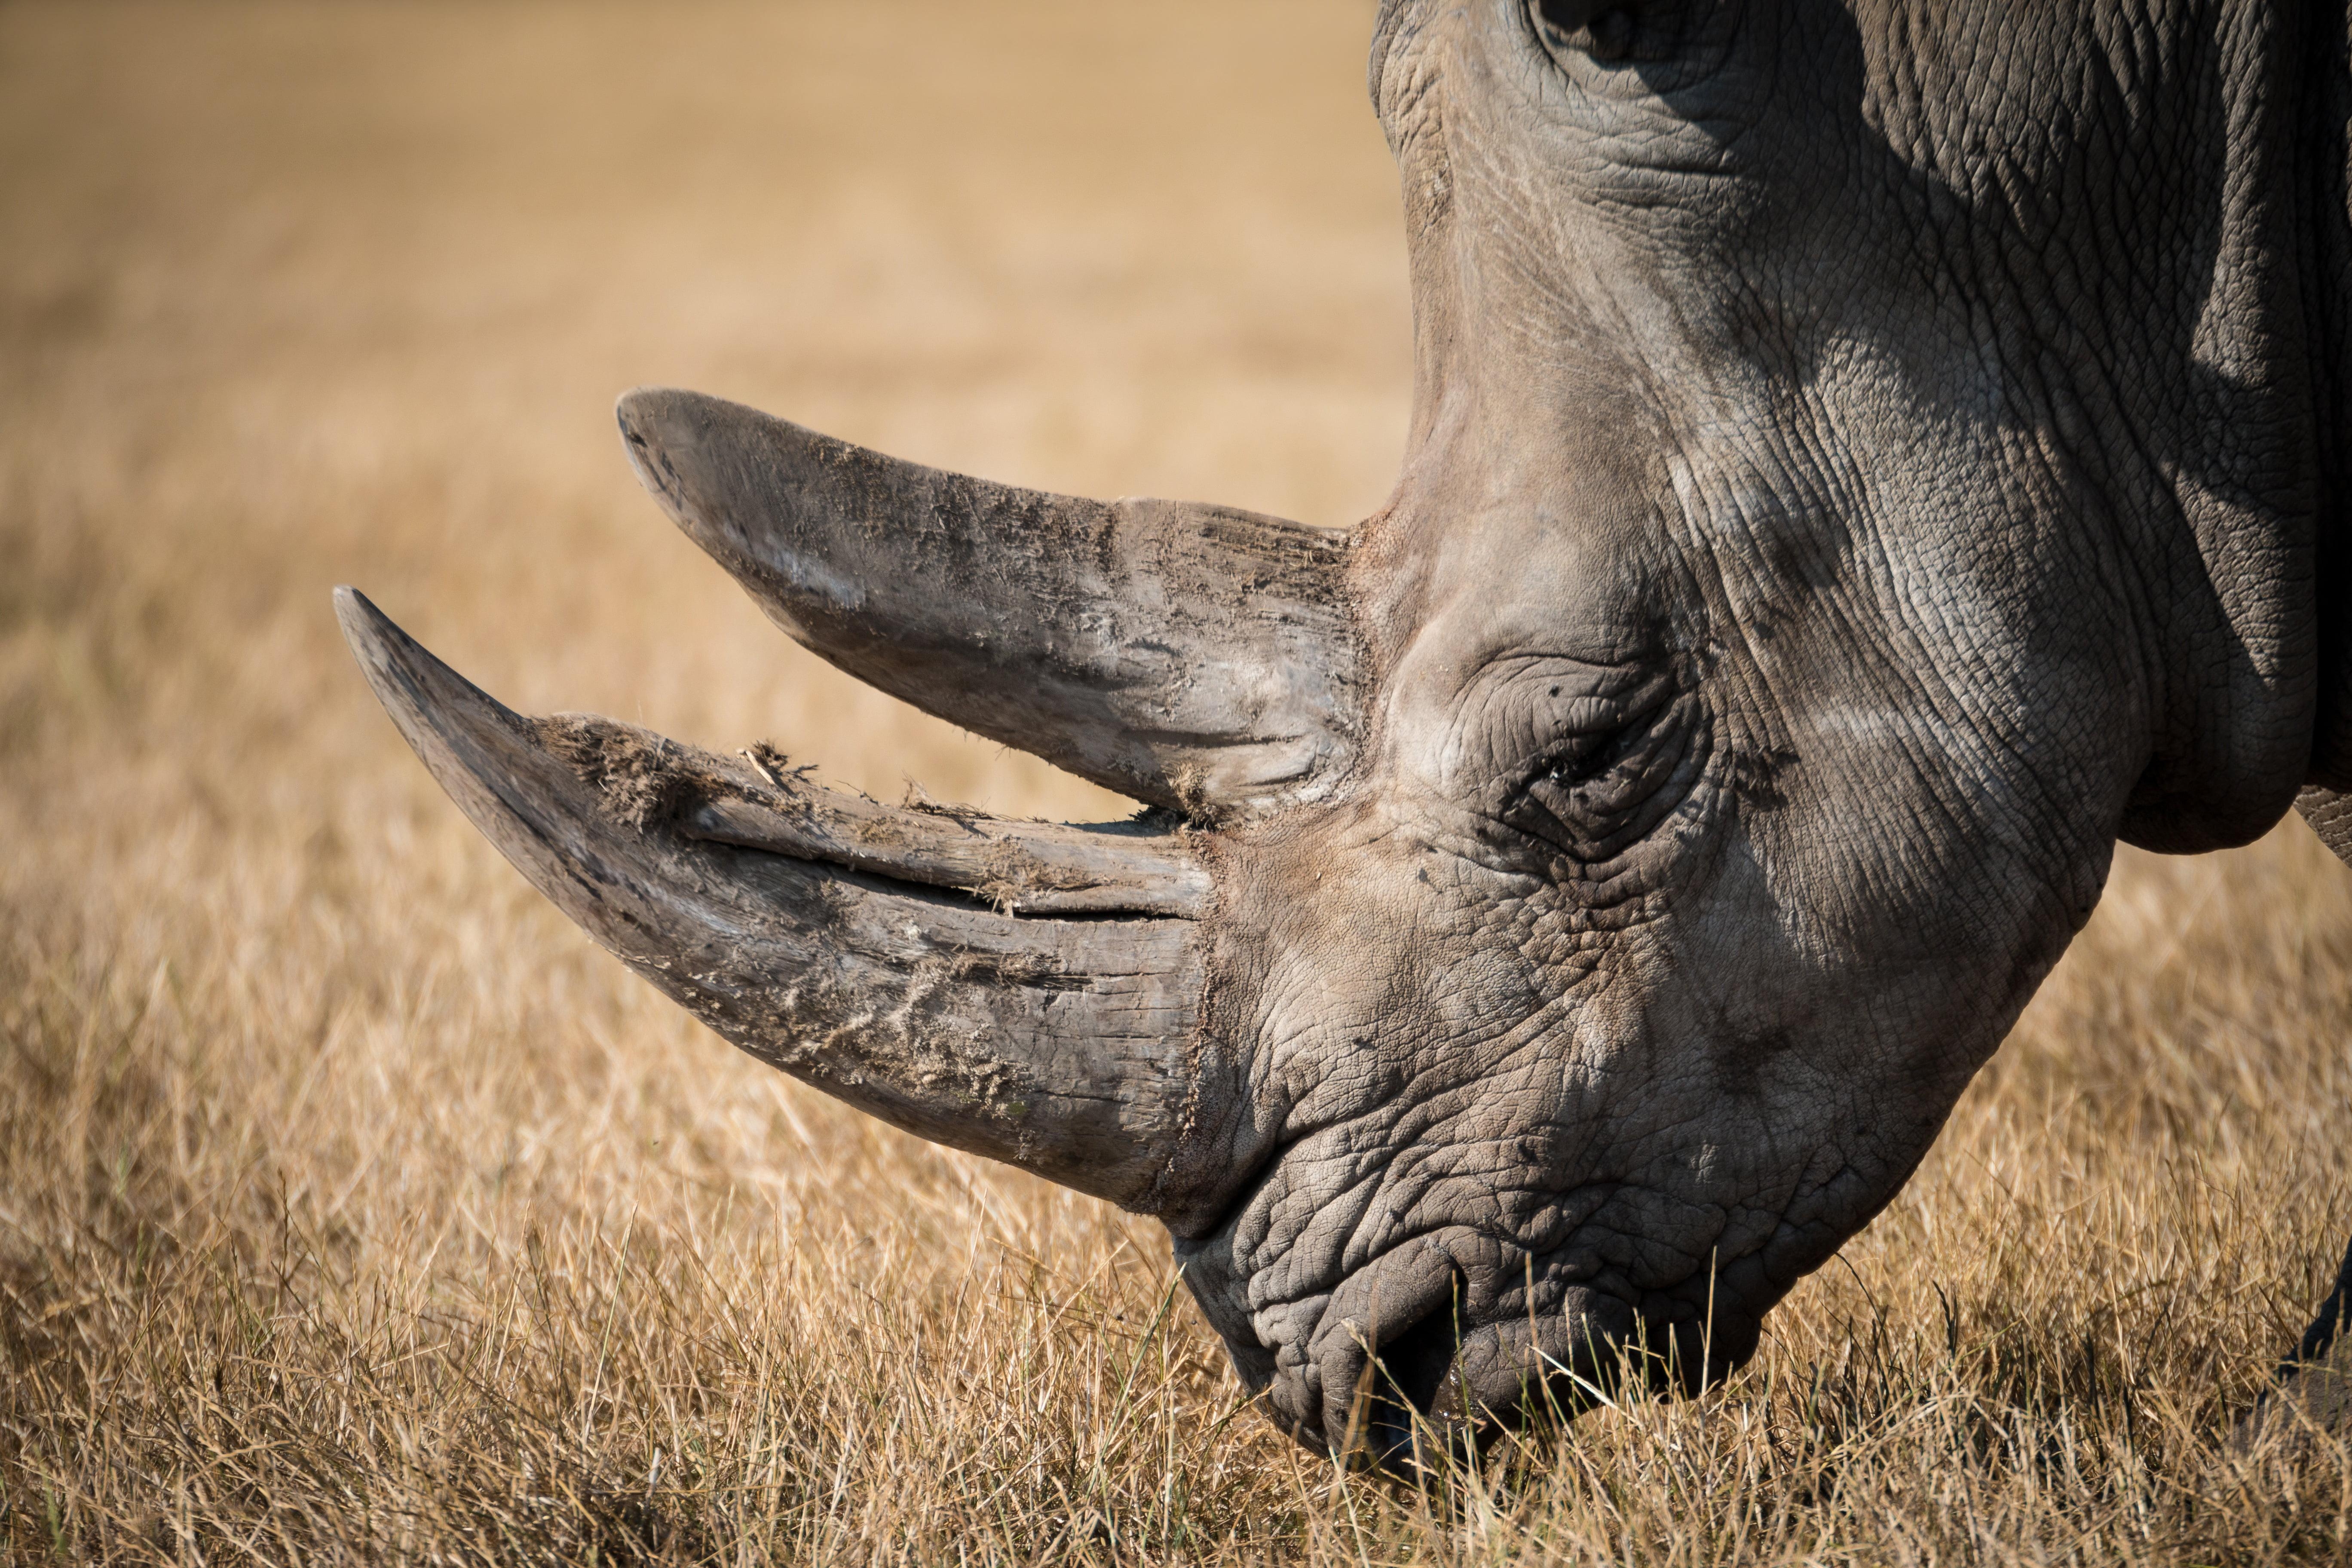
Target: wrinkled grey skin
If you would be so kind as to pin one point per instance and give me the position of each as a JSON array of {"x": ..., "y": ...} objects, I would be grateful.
[
  {"x": 1866, "y": 459},
  {"x": 1924, "y": 397}
]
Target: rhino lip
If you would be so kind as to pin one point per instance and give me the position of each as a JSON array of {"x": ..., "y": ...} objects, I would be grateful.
[
  {"x": 1023, "y": 990},
  {"x": 1404, "y": 1364}
]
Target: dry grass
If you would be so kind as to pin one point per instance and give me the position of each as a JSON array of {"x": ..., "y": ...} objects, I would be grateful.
[{"x": 352, "y": 1207}]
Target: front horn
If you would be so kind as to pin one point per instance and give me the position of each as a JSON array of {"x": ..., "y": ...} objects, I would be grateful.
[
  {"x": 1192, "y": 657},
  {"x": 1025, "y": 991}
]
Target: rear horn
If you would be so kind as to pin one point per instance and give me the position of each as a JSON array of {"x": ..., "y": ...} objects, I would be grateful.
[{"x": 1194, "y": 657}]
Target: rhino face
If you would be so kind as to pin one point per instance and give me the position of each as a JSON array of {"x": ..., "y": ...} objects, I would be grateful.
[{"x": 1571, "y": 902}]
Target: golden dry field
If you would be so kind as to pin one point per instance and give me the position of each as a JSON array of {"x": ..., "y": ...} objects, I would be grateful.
[{"x": 352, "y": 1207}]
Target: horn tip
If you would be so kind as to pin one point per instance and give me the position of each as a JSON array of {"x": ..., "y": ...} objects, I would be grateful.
[
  {"x": 388, "y": 658},
  {"x": 375, "y": 638},
  {"x": 422, "y": 693},
  {"x": 658, "y": 424},
  {"x": 645, "y": 405},
  {"x": 373, "y": 635},
  {"x": 673, "y": 413}
]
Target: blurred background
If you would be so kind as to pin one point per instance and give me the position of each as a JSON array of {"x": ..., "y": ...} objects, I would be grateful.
[
  {"x": 304, "y": 293},
  {"x": 352, "y": 1204}
]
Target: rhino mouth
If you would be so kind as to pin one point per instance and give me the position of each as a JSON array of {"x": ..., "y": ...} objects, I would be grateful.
[
  {"x": 1441, "y": 1387},
  {"x": 1424, "y": 1355}
]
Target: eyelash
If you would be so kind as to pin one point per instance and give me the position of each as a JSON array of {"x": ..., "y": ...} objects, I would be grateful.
[
  {"x": 1593, "y": 754},
  {"x": 1601, "y": 784},
  {"x": 1587, "y": 763}
]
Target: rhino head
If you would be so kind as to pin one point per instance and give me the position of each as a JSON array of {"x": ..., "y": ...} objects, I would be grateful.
[{"x": 1864, "y": 461}]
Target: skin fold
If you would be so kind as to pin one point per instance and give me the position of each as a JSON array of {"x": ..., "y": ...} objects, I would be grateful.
[{"x": 1866, "y": 459}]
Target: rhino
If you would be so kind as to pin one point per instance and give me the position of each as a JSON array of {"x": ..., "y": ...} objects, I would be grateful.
[{"x": 1866, "y": 459}]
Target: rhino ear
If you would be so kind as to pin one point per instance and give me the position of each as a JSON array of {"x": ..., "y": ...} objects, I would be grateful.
[
  {"x": 1192, "y": 656},
  {"x": 2331, "y": 742},
  {"x": 1606, "y": 30}
]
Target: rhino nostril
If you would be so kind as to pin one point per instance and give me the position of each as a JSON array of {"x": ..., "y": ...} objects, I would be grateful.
[
  {"x": 1407, "y": 1381},
  {"x": 1418, "y": 1359},
  {"x": 1443, "y": 1384}
]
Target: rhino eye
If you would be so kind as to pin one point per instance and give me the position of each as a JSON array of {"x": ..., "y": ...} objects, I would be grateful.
[
  {"x": 1588, "y": 758},
  {"x": 1591, "y": 794},
  {"x": 1595, "y": 27}
]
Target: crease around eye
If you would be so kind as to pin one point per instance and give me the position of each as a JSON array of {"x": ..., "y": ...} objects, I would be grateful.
[
  {"x": 1598, "y": 753},
  {"x": 1626, "y": 789}
]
